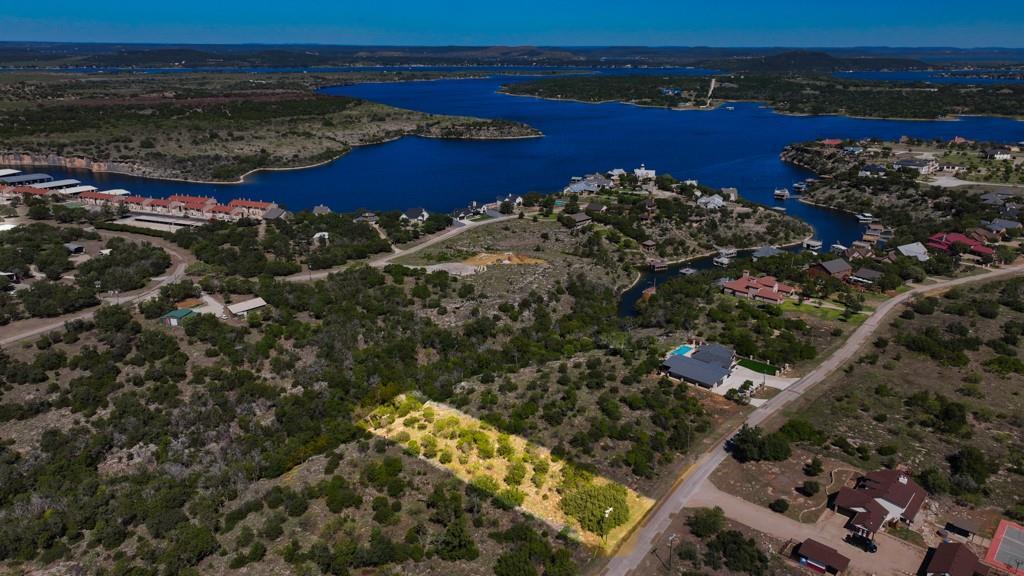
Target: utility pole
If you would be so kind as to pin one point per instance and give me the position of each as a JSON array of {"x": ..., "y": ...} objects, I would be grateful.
[{"x": 672, "y": 539}]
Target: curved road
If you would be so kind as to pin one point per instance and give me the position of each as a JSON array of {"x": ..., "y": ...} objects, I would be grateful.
[
  {"x": 633, "y": 551},
  {"x": 381, "y": 261},
  {"x": 146, "y": 293}
]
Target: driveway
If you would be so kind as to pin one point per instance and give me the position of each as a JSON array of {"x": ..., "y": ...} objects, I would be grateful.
[{"x": 894, "y": 557}]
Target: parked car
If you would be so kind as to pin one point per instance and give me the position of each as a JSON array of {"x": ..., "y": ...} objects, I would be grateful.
[{"x": 863, "y": 542}]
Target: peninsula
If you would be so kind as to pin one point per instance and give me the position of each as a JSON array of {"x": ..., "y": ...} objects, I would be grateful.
[{"x": 205, "y": 127}]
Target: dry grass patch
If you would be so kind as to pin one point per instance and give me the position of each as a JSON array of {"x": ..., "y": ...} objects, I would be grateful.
[{"x": 511, "y": 470}]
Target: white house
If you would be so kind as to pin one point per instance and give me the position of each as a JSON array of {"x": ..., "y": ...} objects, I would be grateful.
[
  {"x": 642, "y": 173},
  {"x": 713, "y": 202}
]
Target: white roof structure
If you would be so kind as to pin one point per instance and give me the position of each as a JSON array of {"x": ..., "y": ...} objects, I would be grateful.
[
  {"x": 117, "y": 192},
  {"x": 246, "y": 306},
  {"x": 77, "y": 189},
  {"x": 4, "y": 172},
  {"x": 914, "y": 250},
  {"x": 66, "y": 183}
]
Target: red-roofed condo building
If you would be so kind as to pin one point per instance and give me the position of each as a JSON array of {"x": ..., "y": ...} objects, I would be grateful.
[{"x": 879, "y": 498}]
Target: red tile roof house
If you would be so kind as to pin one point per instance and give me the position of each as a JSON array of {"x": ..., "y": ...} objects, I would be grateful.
[
  {"x": 19, "y": 190},
  {"x": 253, "y": 209},
  {"x": 222, "y": 212},
  {"x": 953, "y": 559},
  {"x": 944, "y": 242},
  {"x": 98, "y": 198},
  {"x": 879, "y": 498},
  {"x": 762, "y": 289}
]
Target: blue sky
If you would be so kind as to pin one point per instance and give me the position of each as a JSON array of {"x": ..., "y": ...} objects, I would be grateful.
[{"x": 547, "y": 22}]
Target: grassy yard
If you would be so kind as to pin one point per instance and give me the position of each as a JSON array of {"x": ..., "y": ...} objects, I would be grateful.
[{"x": 823, "y": 312}]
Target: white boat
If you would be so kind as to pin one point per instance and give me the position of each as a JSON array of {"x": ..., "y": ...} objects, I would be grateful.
[
  {"x": 779, "y": 209},
  {"x": 837, "y": 248},
  {"x": 688, "y": 271},
  {"x": 730, "y": 108},
  {"x": 800, "y": 186},
  {"x": 812, "y": 244},
  {"x": 865, "y": 218},
  {"x": 782, "y": 193},
  {"x": 722, "y": 261},
  {"x": 727, "y": 252}
]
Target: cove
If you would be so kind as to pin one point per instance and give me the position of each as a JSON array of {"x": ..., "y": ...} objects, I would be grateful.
[{"x": 738, "y": 148}]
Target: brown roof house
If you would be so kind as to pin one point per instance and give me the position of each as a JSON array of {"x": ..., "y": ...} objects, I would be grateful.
[
  {"x": 837, "y": 268},
  {"x": 821, "y": 558},
  {"x": 879, "y": 498},
  {"x": 953, "y": 559}
]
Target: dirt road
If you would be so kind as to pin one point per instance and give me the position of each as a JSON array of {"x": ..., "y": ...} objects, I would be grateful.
[{"x": 639, "y": 545}]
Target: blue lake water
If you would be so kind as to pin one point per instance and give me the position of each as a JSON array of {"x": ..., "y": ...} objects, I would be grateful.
[
  {"x": 738, "y": 148},
  {"x": 930, "y": 76}
]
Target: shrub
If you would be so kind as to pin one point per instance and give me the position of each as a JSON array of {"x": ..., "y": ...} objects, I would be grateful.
[
  {"x": 706, "y": 522},
  {"x": 810, "y": 488},
  {"x": 779, "y": 505},
  {"x": 598, "y": 509}
]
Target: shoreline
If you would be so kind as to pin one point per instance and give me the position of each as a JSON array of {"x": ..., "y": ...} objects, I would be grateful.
[
  {"x": 241, "y": 178},
  {"x": 678, "y": 263},
  {"x": 767, "y": 105}
]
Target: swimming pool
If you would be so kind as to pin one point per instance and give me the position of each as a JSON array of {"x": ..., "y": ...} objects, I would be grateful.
[{"x": 681, "y": 350}]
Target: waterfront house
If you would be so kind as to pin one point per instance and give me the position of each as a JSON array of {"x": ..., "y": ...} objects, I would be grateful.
[
  {"x": 880, "y": 498},
  {"x": 953, "y": 559},
  {"x": 759, "y": 288},
  {"x": 914, "y": 250},
  {"x": 242, "y": 309},
  {"x": 821, "y": 558},
  {"x": 415, "y": 215},
  {"x": 708, "y": 367},
  {"x": 837, "y": 268},
  {"x": 765, "y": 252},
  {"x": 831, "y": 142},
  {"x": 321, "y": 210},
  {"x": 649, "y": 244},
  {"x": 730, "y": 194},
  {"x": 596, "y": 207},
  {"x": 28, "y": 190}
]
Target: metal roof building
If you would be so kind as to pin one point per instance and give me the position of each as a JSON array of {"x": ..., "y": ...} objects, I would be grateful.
[
  {"x": 77, "y": 189},
  {"x": 56, "y": 184},
  {"x": 5, "y": 172},
  {"x": 26, "y": 179}
]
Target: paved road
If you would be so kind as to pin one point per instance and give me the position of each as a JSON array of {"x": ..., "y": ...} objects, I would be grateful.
[
  {"x": 384, "y": 260},
  {"x": 631, "y": 554}
]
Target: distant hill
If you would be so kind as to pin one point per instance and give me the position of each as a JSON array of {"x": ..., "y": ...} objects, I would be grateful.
[
  {"x": 809, "y": 61},
  {"x": 769, "y": 59}
]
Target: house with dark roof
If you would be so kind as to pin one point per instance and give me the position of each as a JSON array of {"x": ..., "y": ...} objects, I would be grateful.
[
  {"x": 879, "y": 498},
  {"x": 872, "y": 171},
  {"x": 1002, "y": 226},
  {"x": 596, "y": 207},
  {"x": 837, "y": 268},
  {"x": 415, "y": 215},
  {"x": 579, "y": 220},
  {"x": 708, "y": 367},
  {"x": 920, "y": 165},
  {"x": 821, "y": 558},
  {"x": 953, "y": 559},
  {"x": 321, "y": 209},
  {"x": 866, "y": 276}
]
